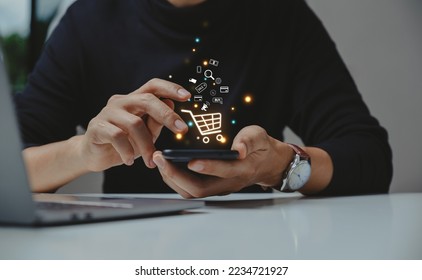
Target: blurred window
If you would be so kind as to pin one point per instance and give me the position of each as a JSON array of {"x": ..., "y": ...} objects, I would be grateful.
[{"x": 24, "y": 26}]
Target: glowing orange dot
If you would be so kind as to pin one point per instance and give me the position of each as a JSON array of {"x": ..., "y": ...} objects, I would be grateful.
[
  {"x": 248, "y": 99},
  {"x": 196, "y": 105},
  {"x": 223, "y": 140},
  {"x": 179, "y": 136},
  {"x": 233, "y": 108},
  {"x": 194, "y": 50},
  {"x": 205, "y": 63}
]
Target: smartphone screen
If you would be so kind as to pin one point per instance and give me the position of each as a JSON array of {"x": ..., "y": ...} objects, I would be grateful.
[{"x": 185, "y": 155}]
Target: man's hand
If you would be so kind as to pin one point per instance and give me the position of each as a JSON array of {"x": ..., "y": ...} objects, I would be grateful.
[
  {"x": 262, "y": 160},
  {"x": 128, "y": 126},
  {"x": 124, "y": 130}
]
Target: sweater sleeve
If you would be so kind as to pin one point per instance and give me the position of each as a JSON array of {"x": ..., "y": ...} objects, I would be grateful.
[
  {"x": 48, "y": 107},
  {"x": 328, "y": 112}
]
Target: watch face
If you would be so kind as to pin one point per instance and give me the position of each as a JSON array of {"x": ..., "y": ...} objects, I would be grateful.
[{"x": 299, "y": 175}]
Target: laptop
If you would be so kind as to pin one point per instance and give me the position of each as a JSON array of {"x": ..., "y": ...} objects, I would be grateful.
[{"x": 19, "y": 206}]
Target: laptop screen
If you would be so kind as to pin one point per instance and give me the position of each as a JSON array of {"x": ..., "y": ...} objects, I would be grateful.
[{"x": 15, "y": 196}]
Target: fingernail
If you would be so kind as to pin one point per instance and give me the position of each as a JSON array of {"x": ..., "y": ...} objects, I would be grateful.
[
  {"x": 197, "y": 166},
  {"x": 159, "y": 161},
  {"x": 129, "y": 162},
  {"x": 180, "y": 125},
  {"x": 183, "y": 93}
]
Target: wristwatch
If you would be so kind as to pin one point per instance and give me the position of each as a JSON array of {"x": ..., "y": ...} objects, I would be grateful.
[{"x": 298, "y": 171}]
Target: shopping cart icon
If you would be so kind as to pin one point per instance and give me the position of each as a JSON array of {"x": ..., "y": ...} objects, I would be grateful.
[{"x": 207, "y": 124}]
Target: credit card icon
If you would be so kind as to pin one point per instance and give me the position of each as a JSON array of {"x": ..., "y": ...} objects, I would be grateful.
[
  {"x": 197, "y": 98},
  {"x": 224, "y": 89}
]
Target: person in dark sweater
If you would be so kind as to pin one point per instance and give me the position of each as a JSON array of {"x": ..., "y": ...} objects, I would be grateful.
[{"x": 125, "y": 70}]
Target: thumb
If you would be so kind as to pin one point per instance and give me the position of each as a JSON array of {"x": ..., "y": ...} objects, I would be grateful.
[{"x": 249, "y": 140}]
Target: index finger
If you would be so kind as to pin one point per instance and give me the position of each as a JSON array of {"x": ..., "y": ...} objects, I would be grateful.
[
  {"x": 150, "y": 105},
  {"x": 164, "y": 89}
]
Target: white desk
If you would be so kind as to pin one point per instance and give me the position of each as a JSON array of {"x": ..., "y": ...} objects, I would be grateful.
[{"x": 279, "y": 227}]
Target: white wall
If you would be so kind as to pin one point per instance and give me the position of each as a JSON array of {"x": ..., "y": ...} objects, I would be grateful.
[{"x": 381, "y": 42}]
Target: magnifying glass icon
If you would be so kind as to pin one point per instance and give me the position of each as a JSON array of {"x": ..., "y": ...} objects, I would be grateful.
[{"x": 208, "y": 74}]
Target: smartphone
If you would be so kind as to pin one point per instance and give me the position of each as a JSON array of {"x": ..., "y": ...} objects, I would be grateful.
[{"x": 185, "y": 155}]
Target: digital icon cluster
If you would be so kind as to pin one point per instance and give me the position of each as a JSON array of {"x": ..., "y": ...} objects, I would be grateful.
[
  {"x": 206, "y": 86},
  {"x": 207, "y": 110},
  {"x": 208, "y": 94}
]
